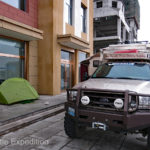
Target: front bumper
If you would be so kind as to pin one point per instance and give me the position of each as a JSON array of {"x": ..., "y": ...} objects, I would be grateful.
[{"x": 113, "y": 120}]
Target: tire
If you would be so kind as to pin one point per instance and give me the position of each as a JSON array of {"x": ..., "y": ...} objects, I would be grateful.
[
  {"x": 148, "y": 139},
  {"x": 70, "y": 127}
]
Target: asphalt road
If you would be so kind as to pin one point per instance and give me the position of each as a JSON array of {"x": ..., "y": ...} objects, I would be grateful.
[{"x": 49, "y": 135}]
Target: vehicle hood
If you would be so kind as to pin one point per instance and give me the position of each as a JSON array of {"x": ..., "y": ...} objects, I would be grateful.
[{"x": 138, "y": 86}]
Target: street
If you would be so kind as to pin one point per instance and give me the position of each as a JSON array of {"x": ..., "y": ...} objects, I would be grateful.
[{"x": 49, "y": 134}]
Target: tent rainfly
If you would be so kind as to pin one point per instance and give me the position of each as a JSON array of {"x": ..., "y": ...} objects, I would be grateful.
[{"x": 15, "y": 90}]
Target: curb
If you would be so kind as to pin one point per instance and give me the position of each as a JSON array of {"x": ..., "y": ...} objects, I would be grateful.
[
  {"x": 30, "y": 114},
  {"x": 25, "y": 120}
]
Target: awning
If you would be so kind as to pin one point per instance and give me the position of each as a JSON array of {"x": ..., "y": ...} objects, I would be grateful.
[
  {"x": 72, "y": 41},
  {"x": 11, "y": 28}
]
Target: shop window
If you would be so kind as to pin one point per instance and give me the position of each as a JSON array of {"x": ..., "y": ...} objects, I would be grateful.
[
  {"x": 114, "y": 4},
  {"x": 69, "y": 6},
  {"x": 12, "y": 55},
  {"x": 83, "y": 18},
  {"x": 20, "y": 4},
  {"x": 99, "y": 4}
]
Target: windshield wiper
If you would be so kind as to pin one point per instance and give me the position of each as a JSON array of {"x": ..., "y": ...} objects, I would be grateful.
[
  {"x": 133, "y": 78},
  {"x": 121, "y": 78},
  {"x": 105, "y": 77},
  {"x": 126, "y": 78}
]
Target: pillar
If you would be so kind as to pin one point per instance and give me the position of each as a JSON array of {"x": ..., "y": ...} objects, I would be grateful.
[
  {"x": 119, "y": 28},
  {"x": 76, "y": 71},
  {"x": 124, "y": 34}
]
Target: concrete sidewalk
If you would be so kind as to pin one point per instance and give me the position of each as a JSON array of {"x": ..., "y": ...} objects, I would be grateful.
[{"x": 9, "y": 112}]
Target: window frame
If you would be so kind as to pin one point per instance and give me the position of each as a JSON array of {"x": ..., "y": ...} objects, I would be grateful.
[
  {"x": 84, "y": 18},
  {"x": 70, "y": 12},
  {"x": 99, "y": 4},
  {"x": 22, "y": 4},
  {"x": 114, "y": 4}
]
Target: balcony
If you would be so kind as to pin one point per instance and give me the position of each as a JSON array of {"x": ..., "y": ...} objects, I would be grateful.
[{"x": 72, "y": 41}]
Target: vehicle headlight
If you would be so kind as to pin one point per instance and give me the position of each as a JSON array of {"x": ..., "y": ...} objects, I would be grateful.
[
  {"x": 144, "y": 102},
  {"x": 133, "y": 103},
  {"x": 73, "y": 95}
]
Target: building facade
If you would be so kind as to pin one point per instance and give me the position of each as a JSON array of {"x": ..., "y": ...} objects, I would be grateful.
[
  {"x": 132, "y": 14},
  {"x": 19, "y": 35},
  {"x": 68, "y": 39},
  {"x": 45, "y": 41},
  {"x": 114, "y": 22}
]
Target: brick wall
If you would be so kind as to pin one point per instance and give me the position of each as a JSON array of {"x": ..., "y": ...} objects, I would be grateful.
[{"x": 29, "y": 17}]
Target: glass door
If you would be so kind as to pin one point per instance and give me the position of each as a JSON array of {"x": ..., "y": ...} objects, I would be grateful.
[
  {"x": 62, "y": 76},
  {"x": 66, "y": 76},
  {"x": 66, "y": 70}
]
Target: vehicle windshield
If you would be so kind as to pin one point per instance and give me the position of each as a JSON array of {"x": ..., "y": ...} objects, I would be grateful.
[{"x": 135, "y": 71}]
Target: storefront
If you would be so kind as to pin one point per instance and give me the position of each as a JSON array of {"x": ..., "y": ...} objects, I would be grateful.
[
  {"x": 68, "y": 63},
  {"x": 68, "y": 39},
  {"x": 18, "y": 51}
]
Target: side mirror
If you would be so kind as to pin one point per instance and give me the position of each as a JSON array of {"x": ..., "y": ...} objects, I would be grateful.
[{"x": 96, "y": 63}]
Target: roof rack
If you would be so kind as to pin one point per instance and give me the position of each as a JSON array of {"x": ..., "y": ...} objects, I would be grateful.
[
  {"x": 127, "y": 51},
  {"x": 134, "y": 42}
]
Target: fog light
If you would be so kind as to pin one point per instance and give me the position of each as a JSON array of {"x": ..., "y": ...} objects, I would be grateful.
[
  {"x": 118, "y": 103},
  {"x": 85, "y": 100}
]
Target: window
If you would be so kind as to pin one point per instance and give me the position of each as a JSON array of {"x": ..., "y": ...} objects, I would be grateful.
[
  {"x": 83, "y": 19},
  {"x": 99, "y": 4},
  {"x": 96, "y": 63},
  {"x": 66, "y": 55},
  {"x": 106, "y": 27},
  {"x": 114, "y": 4},
  {"x": 12, "y": 55},
  {"x": 82, "y": 56},
  {"x": 20, "y": 4},
  {"x": 69, "y": 6}
]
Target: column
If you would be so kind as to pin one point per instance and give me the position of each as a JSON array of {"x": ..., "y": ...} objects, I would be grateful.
[
  {"x": 119, "y": 28},
  {"x": 76, "y": 70},
  {"x": 124, "y": 34}
]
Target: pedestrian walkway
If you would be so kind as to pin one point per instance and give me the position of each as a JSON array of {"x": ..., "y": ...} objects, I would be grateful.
[
  {"x": 8, "y": 112},
  {"x": 49, "y": 134}
]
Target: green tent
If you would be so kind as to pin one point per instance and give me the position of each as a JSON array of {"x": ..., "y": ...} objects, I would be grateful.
[{"x": 15, "y": 90}]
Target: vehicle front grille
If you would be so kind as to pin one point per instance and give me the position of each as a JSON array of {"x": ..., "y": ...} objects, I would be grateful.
[{"x": 102, "y": 100}]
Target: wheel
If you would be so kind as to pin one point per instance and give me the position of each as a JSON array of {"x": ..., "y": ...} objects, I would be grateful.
[
  {"x": 148, "y": 139},
  {"x": 70, "y": 127}
]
